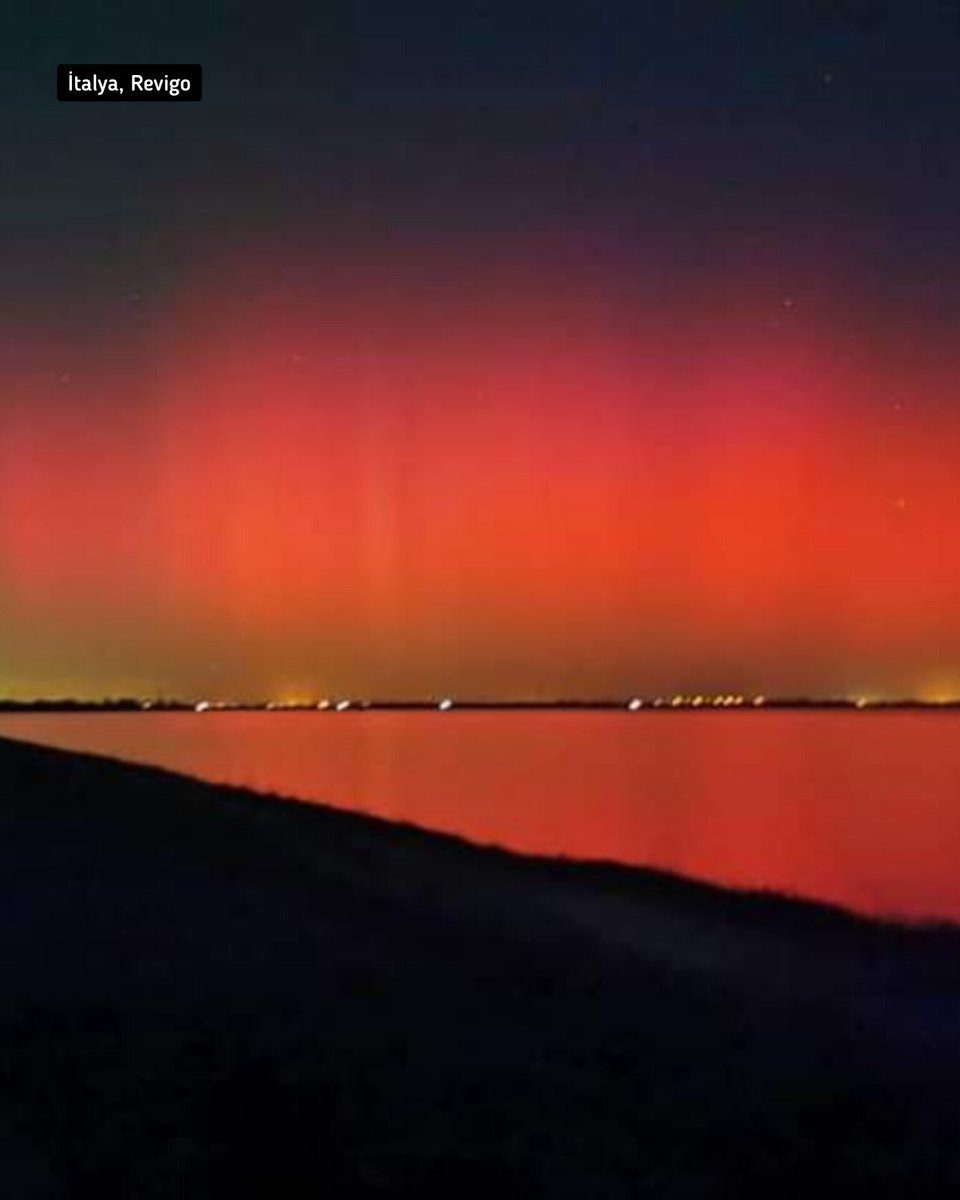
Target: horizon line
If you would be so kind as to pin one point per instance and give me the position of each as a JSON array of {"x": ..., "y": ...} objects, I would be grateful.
[{"x": 677, "y": 702}]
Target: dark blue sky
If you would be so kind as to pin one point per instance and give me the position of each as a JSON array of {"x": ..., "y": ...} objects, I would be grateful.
[{"x": 670, "y": 122}]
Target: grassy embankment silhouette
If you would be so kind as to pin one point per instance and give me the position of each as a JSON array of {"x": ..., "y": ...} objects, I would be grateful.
[{"x": 210, "y": 992}]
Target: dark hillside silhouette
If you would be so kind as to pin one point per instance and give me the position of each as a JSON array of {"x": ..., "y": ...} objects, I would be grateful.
[{"x": 208, "y": 992}]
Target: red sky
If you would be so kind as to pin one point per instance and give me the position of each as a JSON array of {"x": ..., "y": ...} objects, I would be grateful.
[{"x": 428, "y": 477}]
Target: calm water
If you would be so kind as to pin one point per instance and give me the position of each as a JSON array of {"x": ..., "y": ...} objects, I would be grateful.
[{"x": 859, "y": 808}]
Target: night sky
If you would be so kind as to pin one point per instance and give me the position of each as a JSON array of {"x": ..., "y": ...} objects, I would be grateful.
[{"x": 493, "y": 350}]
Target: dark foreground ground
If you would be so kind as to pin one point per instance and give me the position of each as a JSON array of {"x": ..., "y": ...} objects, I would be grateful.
[{"x": 209, "y": 993}]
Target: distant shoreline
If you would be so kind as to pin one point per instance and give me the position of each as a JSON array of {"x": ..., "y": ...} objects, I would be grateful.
[{"x": 685, "y": 705}]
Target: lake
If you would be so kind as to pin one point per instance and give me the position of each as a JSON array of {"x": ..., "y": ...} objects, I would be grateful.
[{"x": 858, "y": 808}]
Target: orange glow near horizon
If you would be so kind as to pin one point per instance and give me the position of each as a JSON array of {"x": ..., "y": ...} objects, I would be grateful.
[{"x": 357, "y": 487}]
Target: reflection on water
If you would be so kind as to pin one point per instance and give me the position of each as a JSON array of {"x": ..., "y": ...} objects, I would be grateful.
[{"x": 862, "y": 809}]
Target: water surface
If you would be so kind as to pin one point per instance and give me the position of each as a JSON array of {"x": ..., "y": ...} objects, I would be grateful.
[{"x": 858, "y": 808}]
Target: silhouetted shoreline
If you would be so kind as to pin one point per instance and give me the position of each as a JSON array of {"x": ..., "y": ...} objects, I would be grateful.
[
  {"x": 657, "y": 704},
  {"x": 213, "y": 992}
]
